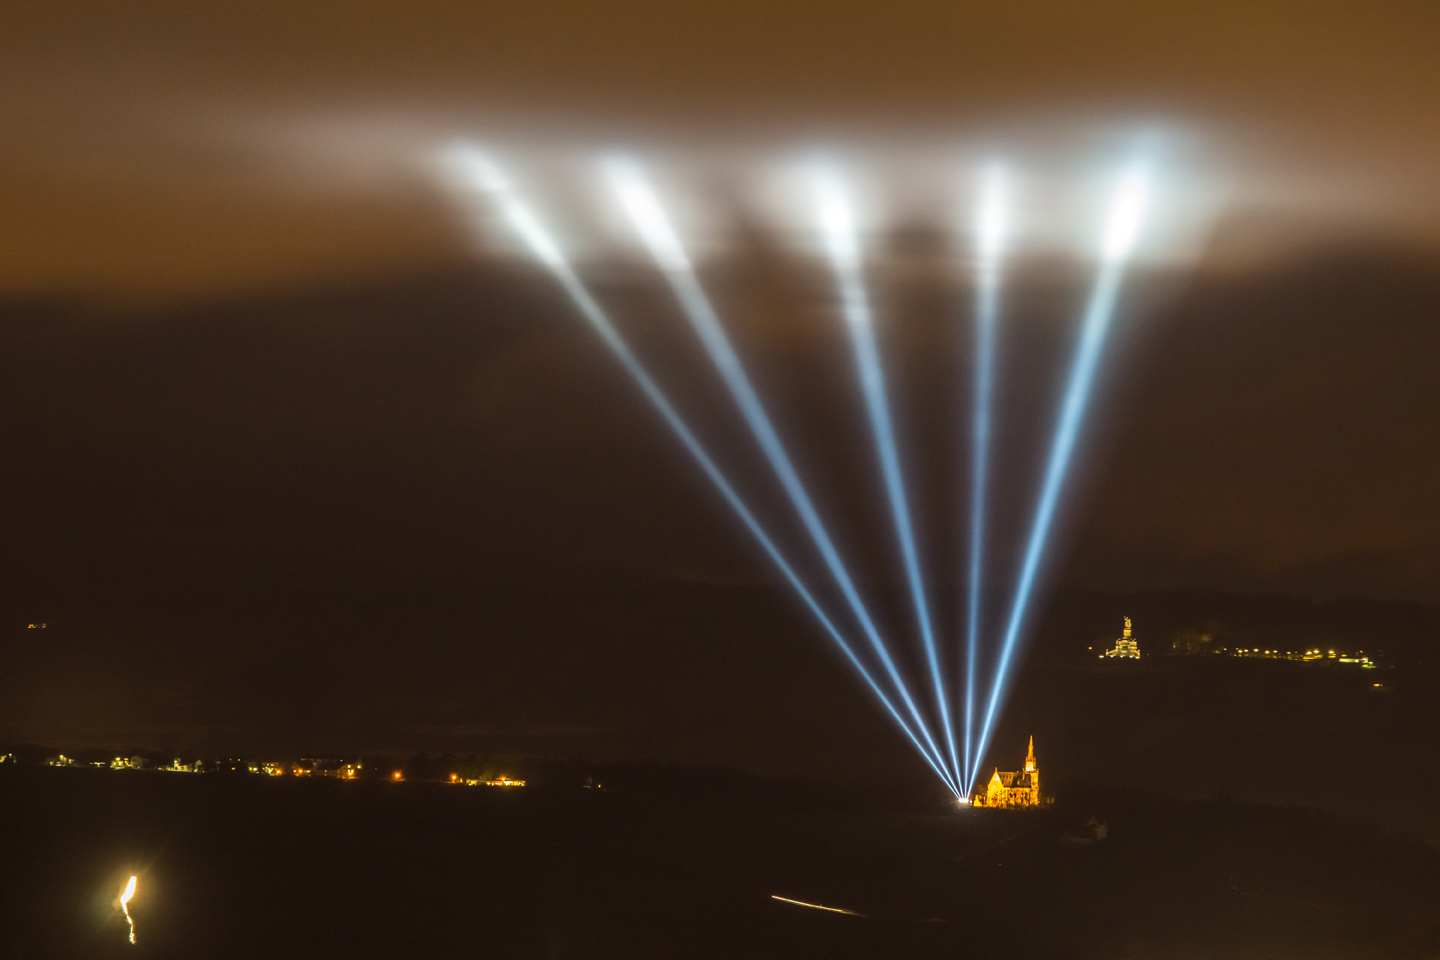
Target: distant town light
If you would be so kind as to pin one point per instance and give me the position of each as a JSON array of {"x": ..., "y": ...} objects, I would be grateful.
[
  {"x": 504, "y": 782},
  {"x": 501, "y": 781}
]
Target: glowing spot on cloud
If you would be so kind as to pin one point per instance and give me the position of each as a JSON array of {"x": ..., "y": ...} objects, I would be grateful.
[
  {"x": 1127, "y": 214},
  {"x": 473, "y": 172},
  {"x": 643, "y": 207}
]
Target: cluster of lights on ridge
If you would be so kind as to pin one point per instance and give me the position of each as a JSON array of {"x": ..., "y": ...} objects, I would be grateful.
[{"x": 481, "y": 183}]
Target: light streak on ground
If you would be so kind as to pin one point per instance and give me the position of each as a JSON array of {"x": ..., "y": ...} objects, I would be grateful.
[
  {"x": 816, "y": 906},
  {"x": 990, "y": 226},
  {"x": 1124, "y": 220},
  {"x": 125, "y": 905},
  {"x": 480, "y": 180},
  {"x": 837, "y": 225},
  {"x": 643, "y": 207}
]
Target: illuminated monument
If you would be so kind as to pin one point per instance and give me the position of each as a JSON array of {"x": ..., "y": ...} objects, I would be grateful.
[
  {"x": 1020, "y": 788},
  {"x": 1124, "y": 647}
]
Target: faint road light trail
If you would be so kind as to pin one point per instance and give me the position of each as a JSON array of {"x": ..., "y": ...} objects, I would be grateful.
[{"x": 815, "y": 906}]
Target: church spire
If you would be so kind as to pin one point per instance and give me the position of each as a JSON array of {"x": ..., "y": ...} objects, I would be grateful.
[{"x": 1030, "y": 757}]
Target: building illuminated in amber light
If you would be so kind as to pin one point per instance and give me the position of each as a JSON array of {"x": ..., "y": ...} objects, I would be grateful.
[
  {"x": 1020, "y": 788},
  {"x": 497, "y": 782}
]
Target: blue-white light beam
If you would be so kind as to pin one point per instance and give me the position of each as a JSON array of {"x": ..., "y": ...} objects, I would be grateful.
[
  {"x": 841, "y": 238},
  {"x": 1126, "y": 217},
  {"x": 478, "y": 179},
  {"x": 647, "y": 214},
  {"x": 989, "y": 238}
]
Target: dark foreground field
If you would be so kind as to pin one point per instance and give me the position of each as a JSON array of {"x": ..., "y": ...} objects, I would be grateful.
[{"x": 249, "y": 867}]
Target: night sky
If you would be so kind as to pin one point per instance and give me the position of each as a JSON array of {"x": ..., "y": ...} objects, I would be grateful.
[{"x": 292, "y": 465}]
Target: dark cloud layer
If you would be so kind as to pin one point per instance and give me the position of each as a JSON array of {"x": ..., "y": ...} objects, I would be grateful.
[
  {"x": 166, "y": 151},
  {"x": 1281, "y": 437}
]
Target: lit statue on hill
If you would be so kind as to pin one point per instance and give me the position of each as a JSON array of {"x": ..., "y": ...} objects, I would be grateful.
[
  {"x": 1125, "y": 646},
  {"x": 1012, "y": 789}
]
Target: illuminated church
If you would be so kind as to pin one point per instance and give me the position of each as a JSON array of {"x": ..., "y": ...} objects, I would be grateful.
[{"x": 1019, "y": 788}]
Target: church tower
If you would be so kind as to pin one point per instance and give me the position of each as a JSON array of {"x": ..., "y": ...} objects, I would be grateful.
[{"x": 1033, "y": 771}]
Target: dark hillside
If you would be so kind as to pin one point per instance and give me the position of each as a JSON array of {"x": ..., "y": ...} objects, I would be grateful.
[{"x": 246, "y": 866}]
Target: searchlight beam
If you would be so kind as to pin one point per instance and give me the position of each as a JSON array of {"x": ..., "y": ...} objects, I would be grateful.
[
  {"x": 989, "y": 231},
  {"x": 478, "y": 177},
  {"x": 643, "y": 207},
  {"x": 1128, "y": 207},
  {"x": 837, "y": 225}
]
